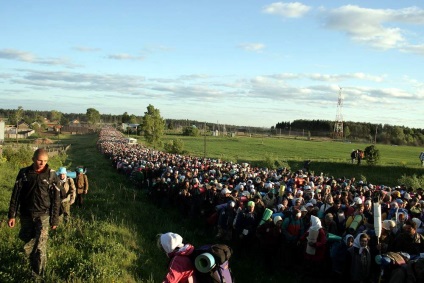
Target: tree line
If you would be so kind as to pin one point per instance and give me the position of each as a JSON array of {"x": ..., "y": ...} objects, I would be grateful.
[
  {"x": 358, "y": 131},
  {"x": 352, "y": 131}
]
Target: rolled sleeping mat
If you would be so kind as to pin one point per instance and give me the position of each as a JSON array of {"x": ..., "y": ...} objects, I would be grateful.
[
  {"x": 204, "y": 262},
  {"x": 282, "y": 189},
  {"x": 266, "y": 216},
  {"x": 333, "y": 238},
  {"x": 72, "y": 175},
  {"x": 355, "y": 223},
  {"x": 377, "y": 219}
]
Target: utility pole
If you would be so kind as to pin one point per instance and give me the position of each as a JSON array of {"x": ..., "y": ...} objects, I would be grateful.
[
  {"x": 18, "y": 117},
  {"x": 375, "y": 136},
  {"x": 204, "y": 141},
  {"x": 338, "y": 124}
]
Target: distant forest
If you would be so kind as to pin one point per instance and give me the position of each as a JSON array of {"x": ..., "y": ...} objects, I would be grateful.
[{"x": 352, "y": 131}]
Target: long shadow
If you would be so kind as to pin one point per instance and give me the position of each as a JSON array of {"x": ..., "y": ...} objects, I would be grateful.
[{"x": 374, "y": 174}]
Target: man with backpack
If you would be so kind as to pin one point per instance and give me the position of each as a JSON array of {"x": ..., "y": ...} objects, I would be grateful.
[
  {"x": 81, "y": 182},
  {"x": 69, "y": 194},
  {"x": 36, "y": 195}
]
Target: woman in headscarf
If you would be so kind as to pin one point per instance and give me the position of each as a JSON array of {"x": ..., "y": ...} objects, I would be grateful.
[
  {"x": 359, "y": 258},
  {"x": 181, "y": 268},
  {"x": 315, "y": 248}
]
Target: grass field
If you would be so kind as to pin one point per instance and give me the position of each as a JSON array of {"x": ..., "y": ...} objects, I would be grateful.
[
  {"x": 329, "y": 157},
  {"x": 113, "y": 238}
]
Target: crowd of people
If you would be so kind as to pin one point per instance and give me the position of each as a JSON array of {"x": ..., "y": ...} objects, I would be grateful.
[{"x": 321, "y": 226}]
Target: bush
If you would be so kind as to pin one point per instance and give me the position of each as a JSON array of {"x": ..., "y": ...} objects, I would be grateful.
[
  {"x": 175, "y": 146},
  {"x": 20, "y": 157},
  {"x": 191, "y": 131},
  {"x": 412, "y": 181},
  {"x": 371, "y": 155}
]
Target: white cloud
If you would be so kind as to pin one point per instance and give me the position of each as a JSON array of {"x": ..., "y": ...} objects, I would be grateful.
[
  {"x": 125, "y": 56},
  {"x": 329, "y": 77},
  {"x": 156, "y": 48},
  {"x": 254, "y": 47},
  {"x": 194, "y": 77},
  {"x": 417, "y": 49},
  {"x": 23, "y": 56},
  {"x": 287, "y": 10},
  {"x": 12, "y": 54},
  {"x": 86, "y": 49},
  {"x": 374, "y": 27},
  {"x": 282, "y": 91}
]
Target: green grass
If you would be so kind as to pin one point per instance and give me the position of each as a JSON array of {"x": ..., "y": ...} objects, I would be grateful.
[
  {"x": 329, "y": 157},
  {"x": 113, "y": 238}
]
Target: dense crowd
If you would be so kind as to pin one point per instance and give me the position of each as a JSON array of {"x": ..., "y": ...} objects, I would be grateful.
[{"x": 324, "y": 227}]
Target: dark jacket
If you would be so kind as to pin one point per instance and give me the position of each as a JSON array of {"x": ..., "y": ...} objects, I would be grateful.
[
  {"x": 34, "y": 195},
  {"x": 413, "y": 245}
]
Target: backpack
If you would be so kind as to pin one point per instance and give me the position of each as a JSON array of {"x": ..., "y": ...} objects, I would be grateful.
[
  {"x": 51, "y": 181},
  {"x": 211, "y": 263},
  {"x": 52, "y": 177}
]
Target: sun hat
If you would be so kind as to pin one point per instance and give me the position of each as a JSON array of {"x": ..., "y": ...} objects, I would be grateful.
[{"x": 62, "y": 170}]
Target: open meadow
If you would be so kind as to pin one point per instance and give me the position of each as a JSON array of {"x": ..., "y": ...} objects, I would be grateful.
[
  {"x": 330, "y": 157},
  {"x": 113, "y": 238}
]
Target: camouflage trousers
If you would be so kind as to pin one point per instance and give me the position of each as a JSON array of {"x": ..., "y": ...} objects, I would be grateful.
[
  {"x": 35, "y": 233},
  {"x": 65, "y": 212}
]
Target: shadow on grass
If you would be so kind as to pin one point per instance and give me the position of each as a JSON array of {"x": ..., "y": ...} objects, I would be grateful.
[{"x": 377, "y": 175}]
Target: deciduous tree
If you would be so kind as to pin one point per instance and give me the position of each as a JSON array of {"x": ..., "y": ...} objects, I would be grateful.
[
  {"x": 153, "y": 126},
  {"x": 93, "y": 116}
]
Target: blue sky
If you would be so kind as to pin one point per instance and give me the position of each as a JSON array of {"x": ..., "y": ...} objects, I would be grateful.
[{"x": 251, "y": 63}]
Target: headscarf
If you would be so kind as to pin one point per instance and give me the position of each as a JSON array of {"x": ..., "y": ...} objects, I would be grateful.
[
  {"x": 315, "y": 223},
  {"x": 346, "y": 238},
  {"x": 170, "y": 241},
  {"x": 357, "y": 243}
]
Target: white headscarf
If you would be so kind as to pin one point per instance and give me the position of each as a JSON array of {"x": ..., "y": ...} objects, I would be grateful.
[
  {"x": 357, "y": 243},
  {"x": 315, "y": 223},
  {"x": 170, "y": 241}
]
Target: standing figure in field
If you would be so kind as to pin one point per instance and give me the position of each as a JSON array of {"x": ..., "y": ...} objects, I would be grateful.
[
  {"x": 81, "y": 182},
  {"x": 360, "y": 156},
  {"x": 70, "y": 192},
  {"x": 36, "y": 195},
  {"x": 354, "y": 155},
  {"x": 422, "y": 158}
]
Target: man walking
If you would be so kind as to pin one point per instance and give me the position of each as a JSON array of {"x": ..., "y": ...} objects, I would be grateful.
[
  {"x": 82, "y": 186},
  {"x": 70, "y": 192},
  {"x": 37, "y": 196}
]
